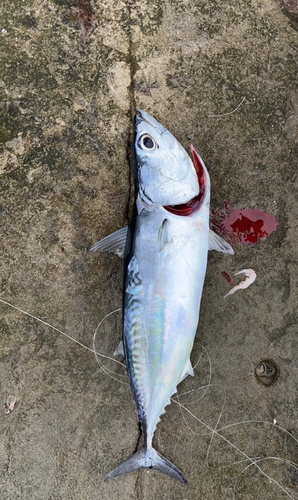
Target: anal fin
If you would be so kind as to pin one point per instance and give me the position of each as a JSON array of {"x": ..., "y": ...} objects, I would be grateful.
[{"x": 188, "y": 370}]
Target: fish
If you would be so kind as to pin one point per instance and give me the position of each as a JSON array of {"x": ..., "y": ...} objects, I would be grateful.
[{"x": 165, "y": 250}]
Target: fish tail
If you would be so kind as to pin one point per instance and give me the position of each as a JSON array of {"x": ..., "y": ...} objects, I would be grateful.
[{"x": 148, "y": 459}]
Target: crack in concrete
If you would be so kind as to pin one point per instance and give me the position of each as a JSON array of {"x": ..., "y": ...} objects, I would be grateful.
[
  {"x": 130, "y": 186},
  {"x": 131, "y": 59},
  {"x": 132, "y": 69},
  {"x": 139, "y": 437},
  {"x": 139, "y": 490},
  {"x": 8, "y": 447},
  {"x": 139, "y": 487}
]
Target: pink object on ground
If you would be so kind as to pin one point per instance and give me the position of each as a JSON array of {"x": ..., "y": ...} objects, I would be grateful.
[
  {"x": 250, "y": 278},
  {"x": 228, "y": 277}
]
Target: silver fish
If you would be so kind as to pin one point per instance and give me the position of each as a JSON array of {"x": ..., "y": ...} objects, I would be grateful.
[{"x": 165, "y": 254}]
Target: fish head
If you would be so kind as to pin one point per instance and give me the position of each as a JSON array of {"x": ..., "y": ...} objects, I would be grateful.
[{"x": 165, "y": 175}]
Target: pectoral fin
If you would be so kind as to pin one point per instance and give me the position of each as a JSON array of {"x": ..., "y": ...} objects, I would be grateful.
[
  {"x": 219, "y": 244},
  {"x": 114, "y": 243},
  {"x": 163, "y": 235}
]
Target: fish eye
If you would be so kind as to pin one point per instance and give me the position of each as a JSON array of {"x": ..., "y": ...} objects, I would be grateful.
[{"x": 147, "y": 142}]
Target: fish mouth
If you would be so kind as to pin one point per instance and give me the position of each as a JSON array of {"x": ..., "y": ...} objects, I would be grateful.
[
  {"x": 143, "y": 116},
  {"x": 192, "y": 206}
]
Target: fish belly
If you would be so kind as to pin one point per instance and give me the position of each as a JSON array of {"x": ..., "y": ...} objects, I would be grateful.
[{"x": 162, "y": 304}]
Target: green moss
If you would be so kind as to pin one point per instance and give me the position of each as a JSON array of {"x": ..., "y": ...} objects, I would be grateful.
[
  {"x": 9, "y": 125},
  {"x": 4, "y": 330},
  {"x": 150, "y": 19}
]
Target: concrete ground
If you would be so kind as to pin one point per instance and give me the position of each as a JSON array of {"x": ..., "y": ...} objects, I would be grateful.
[{"x": 72, "y": 76}]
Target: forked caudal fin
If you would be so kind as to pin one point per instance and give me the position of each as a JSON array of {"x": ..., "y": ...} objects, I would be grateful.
[{"x": 148, "y": 459}]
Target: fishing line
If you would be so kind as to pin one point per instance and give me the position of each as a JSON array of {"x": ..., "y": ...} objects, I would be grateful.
[
  {"x": 259, "y": 422},
  {"x": 230, "y": 112},
  {"x": 104, "y": 368},
  {"x": 262, "y": 459},
  {"x": 206, "y": 387},
  {"x": 201, "y": 434},
  {"x": 277, "y": 459},
  {"x": 62, "y": 333},
  {"x": 251, "y": 460},
  {"x": 181, "y": 406}
]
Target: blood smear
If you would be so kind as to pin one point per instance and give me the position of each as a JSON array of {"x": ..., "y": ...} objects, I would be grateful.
[
  {"x": 228, "y": 277},
  {"x": 244, "y": 225}
]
